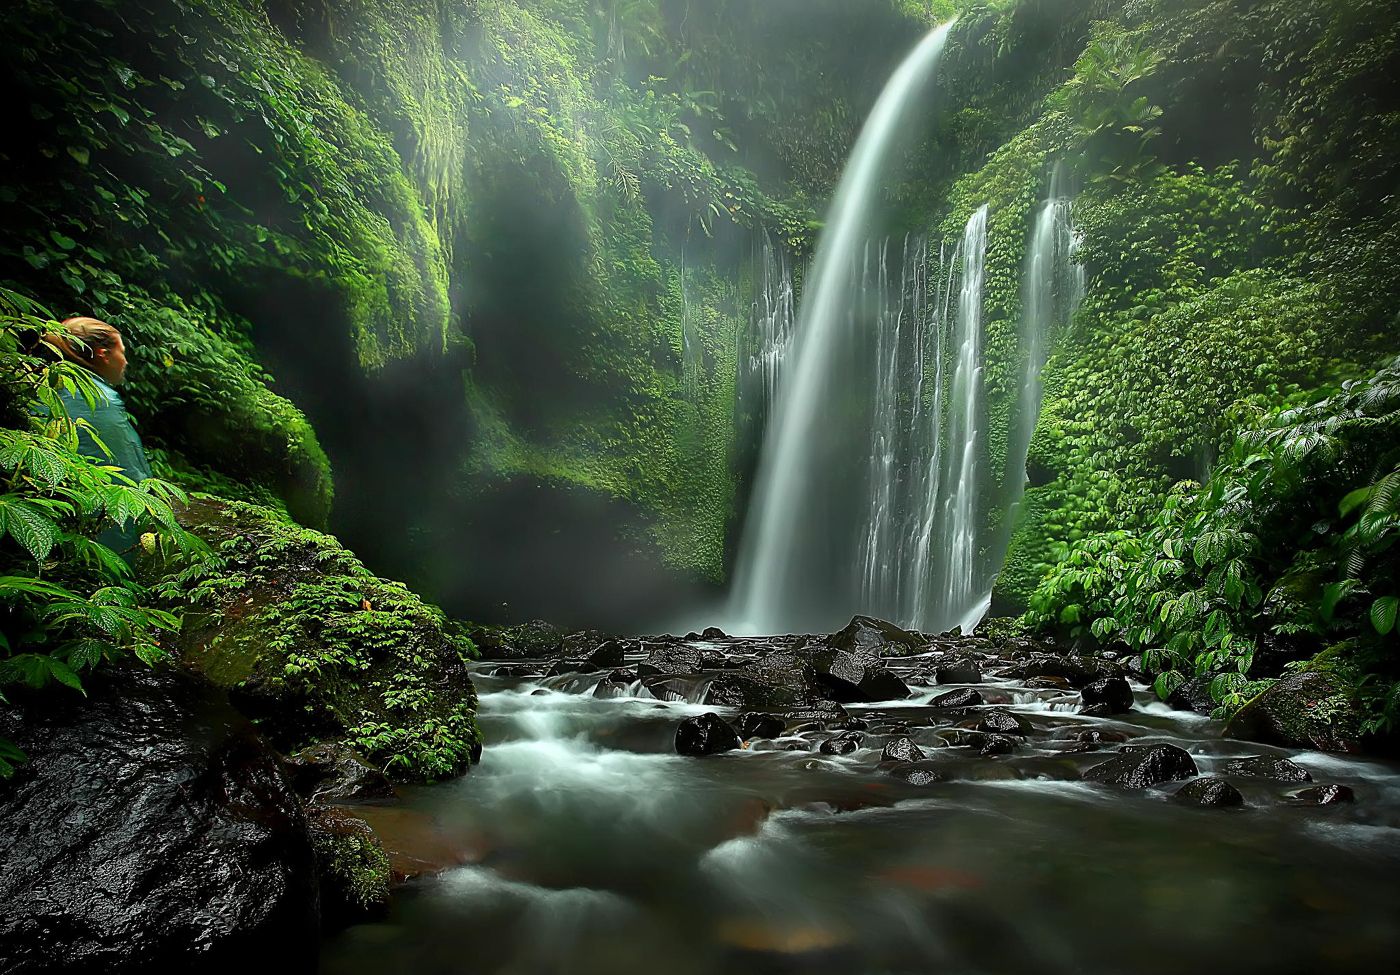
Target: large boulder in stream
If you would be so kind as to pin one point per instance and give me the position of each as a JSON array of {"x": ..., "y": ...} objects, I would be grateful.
[
  {"x": 1112, "y": 692},
  {"x": 1210, "y": 792},
  {"x": 1304, "y": 710},
  {"x": 1078, "y": 671},
  {"x": 151, "y": 830},
  {"x": 870, "y": 635},
  {"x": 851, "y": 677},
  {"x": 1143, "y": 767},
  {"x": 706, "y": 734},
  {"x": 778, "y": 682},
  {"x": 533, "y": 640}
]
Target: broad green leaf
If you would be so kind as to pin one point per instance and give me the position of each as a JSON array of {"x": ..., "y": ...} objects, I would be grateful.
[{"x": 1383, "y": 613}]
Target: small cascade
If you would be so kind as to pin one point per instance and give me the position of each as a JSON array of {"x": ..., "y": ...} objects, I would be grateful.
[
  {"x": 772, "y": 322},
  {"x": 965, "y": 588},
  {"x": 1053, "y": 285}
]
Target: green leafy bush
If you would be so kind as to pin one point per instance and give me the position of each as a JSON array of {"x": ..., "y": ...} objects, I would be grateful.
[
  {"x": 1292, "y": 539},
  {"x": 68, "y": 602}
]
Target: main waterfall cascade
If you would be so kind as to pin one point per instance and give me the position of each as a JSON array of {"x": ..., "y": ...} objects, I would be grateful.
[{"x": 795, "y": 568}]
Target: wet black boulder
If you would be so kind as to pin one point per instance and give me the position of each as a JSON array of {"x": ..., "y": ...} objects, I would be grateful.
[
  {"x": 901, "y": 750},
  {"x": 850, "y": 677},
  {"x": 1112, "y": 692},
  {"x": 918, "y": 773},
  {"x": 758, "y": 724},
  {"x": 843, "y": 744},
  {"x": 1323, "y": 795},
  {"x": 1209, "y": 791},
  {"x": 706, "y": 734},
  {"x": 1273, "y": 769},
  {"x": 1003, "y": 723},
  {"x": 150, "y": 831},
  {"x": 963, "y": 697},
  {"x": 877, "y": 636},
  {"x": 958, "y": 672},
  {"x": 1142, "y": 767},
  {"x": 997, "y": 745}
]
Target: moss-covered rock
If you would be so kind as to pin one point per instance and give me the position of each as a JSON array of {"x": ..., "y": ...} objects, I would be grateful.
[
  {"x": 313, "y": 646},
  {"x": 352, "y": 865},
  {"x": 1305, "y": 710}
]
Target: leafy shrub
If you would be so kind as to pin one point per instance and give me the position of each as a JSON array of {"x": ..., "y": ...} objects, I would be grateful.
[
  {"x": 1292, "y": 539},
  {"x": 69, "y": 602}
]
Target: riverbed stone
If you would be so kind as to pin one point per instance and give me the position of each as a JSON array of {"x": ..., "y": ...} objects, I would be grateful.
[
  {"x": 151, "y": 830},
  {"x": 705, "y": 734},
  {"x": 877, "y": 636},
  {"x": 1003, "y": 723},
  {"x": 1264, "y": 767},
  {"x": 1145, "y": 766},
  {"x": 1323, "y": 795},
  {"x": 842, "y": 744},
  {"x": 1306, "y": 710},
  {"x": 901, "y": 750},
  {"x": 852, "y": 677},
  {"x": 1193, "y": 695},
  {"x": 918, "y": 773},
  {"x": 670, "y": 659},
  {"x": 1078, "y": 671},
  {"x": 1209, "y": 791},
  {"x": 997, "y": 745},
  {"x": 779, "y": 681},
  {"x": 759, "y": 724},
  {"x": 1112, "y": 692},
  {"x": 352, "y": 866},
  {"x": 958, "y": 672},
  {"x": 534, "y": 639},
  {"x": 963, "y": 697}
]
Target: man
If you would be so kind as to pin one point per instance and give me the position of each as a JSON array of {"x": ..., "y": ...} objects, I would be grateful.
[{"x": 100, "y": 350}]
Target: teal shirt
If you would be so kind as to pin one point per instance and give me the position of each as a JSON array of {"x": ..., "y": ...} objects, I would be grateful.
[{"x": 113, "y": 425}]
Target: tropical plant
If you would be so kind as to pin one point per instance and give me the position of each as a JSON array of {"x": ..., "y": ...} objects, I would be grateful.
[{"x": 68, "y": 602}]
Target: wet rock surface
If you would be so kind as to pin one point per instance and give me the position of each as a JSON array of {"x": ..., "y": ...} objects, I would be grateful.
[
  {"x": 1113, "y": 693},
  {"x": 1209, "y": 791},
  {"x": 1300, "y": 711},
  {"x": 1263, "y": 767},
  {"x": 1145, "y": 767},
  {"x": 335, "y": 772},
  {"x": 705, "y": 734},
  {"x": 152, "y": 830}
]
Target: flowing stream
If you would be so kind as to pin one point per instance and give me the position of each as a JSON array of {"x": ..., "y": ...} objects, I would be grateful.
[{"x": 584, "y": 844}]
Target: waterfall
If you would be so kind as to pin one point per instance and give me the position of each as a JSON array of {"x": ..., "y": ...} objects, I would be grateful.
[
  {"x": 772, "y": 321},
  {"x": 1052, "y": 287},
  {"x": 965, "y": 590},
  {"x": 800, "y": 544}
]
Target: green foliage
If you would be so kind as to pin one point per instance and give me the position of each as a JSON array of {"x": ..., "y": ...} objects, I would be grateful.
[
  {"x": 1292, "y": 538},
  {"x": 70, "y": 602},
  {"x": 1116, "y": 124},
  {"x": 313, "y": 644}
]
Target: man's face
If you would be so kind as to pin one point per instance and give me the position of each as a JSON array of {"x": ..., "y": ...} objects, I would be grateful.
[{"x": 110, "y": 364}]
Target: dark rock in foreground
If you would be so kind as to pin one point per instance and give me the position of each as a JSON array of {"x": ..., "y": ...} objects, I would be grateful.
[
  {"x": 1323, "y": 795},
  {"x": 757, "y": 724},
  {"x": 1142, "y": 767},
  {"x": 705, "y": 734},
  {"x": 1003, "y": 723},
  {"x": 961, "y": 698},
  {"x": 1112, "y": 692},
  {"x": 843, "y": 744},
  {"x": 958, "y": 672},
  {"x": 1077, "y": 671},
  {"x": 1194, "y": 695},
  {"x": 853, "y": 677},
  {"x": 1274, "y": 769},
  {"x": 151, "y": 831},
  {"x": 918, "y": 773},
  {"x": 901, "y": 750},
  {"x": 1210, "y": 791},
  {"x": 1300, "y": 711}
]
